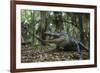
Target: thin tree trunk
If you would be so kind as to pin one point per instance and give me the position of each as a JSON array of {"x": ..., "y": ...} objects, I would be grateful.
[{"x": 81, "y": 28}]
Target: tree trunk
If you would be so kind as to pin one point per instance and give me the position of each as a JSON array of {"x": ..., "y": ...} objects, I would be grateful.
[
  {"x": 81, "y": 28},
  {"x": 58, "y": 21}
]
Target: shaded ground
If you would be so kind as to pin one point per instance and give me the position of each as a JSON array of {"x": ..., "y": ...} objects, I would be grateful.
[{"x": 38, "y": 54}]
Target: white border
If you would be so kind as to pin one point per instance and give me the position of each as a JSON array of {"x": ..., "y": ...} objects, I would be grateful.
[{"x": 20, "y": 65}]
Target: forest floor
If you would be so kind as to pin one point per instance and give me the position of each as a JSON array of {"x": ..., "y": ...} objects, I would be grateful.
[{"x": 29, "y": 54}]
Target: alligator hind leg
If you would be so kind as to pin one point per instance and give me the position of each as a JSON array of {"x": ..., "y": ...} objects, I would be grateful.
[{"x": 79, "y": 52}]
